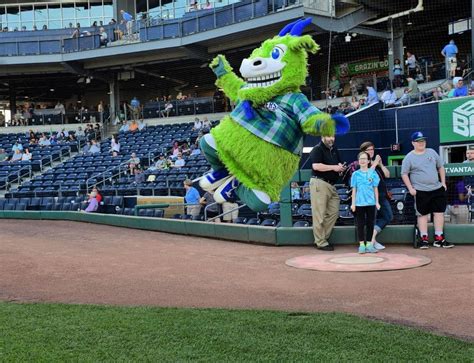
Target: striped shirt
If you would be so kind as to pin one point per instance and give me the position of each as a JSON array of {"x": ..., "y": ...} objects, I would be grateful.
[{"x": 279, "y": 121}]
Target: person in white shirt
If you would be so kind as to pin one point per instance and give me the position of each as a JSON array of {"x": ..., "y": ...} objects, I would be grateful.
[
  {"x": 389, "y": 97},
  {"x": 16, "y": 156},
  {"x": 115, "y": 144},
  {"x": 26, "y": 155},
  {"x": 197, "y": 124},
  {"x": 179, "y": 161},
  {"x": 206, "y": 124}
]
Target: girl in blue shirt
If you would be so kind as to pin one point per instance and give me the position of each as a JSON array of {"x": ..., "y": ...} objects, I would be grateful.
[{"x": 365, "y": 202}]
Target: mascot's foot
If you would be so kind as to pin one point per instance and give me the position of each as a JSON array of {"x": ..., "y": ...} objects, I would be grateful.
[
  {"x": 226, "y": 192},
  {"x": 211, "y": 181}
]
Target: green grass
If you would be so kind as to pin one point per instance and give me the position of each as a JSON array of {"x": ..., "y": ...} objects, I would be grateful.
[{"x": 54, "y": 332}]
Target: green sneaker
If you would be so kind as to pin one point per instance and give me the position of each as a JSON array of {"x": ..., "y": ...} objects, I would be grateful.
[{"x": 361, "y": 249}]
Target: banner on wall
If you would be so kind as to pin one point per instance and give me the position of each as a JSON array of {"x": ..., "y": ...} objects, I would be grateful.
[
  {"x": 456, "y": 120},
  {"x": 367, "y": 66}
]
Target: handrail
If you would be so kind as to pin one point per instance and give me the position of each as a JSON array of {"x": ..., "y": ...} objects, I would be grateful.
[{"x": 119, "y": 166}]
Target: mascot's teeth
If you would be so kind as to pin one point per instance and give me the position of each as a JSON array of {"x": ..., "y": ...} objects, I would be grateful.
[{"x": 263, "y": 81}]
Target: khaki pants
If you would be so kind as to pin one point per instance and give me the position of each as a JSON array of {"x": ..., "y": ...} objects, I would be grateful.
[
  {"x": 459, "y": 214},
  {"x": 226, "y": 207},
  {"x": 325, "y": 209},
  {"x": 193, "y": 210}
]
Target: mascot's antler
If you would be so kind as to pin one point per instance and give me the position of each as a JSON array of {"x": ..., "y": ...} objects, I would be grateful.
[{"x": 296, "y": 28}]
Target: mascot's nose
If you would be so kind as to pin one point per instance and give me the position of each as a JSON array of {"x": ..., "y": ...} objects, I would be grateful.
[{"x": 258, "y": 63}]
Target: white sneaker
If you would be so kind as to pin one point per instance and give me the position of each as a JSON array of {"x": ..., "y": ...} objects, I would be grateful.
[{"x": 379, "y": 246}]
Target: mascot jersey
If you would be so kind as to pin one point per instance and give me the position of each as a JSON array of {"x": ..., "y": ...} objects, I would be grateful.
[{"x": 279, "y": 121}]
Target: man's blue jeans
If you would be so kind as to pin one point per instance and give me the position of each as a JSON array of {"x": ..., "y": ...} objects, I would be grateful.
[{"x": 385, "y": 214}]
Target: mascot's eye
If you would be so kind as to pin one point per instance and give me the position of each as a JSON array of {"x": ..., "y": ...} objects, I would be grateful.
[{"x": 277, "y": 53}]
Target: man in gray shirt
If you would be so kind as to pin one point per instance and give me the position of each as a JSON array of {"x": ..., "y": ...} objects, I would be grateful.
[{"x": 425, "y": 178}]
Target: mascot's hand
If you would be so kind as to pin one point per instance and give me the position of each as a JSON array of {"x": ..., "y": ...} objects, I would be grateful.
[
  {"x": 220, "y": 66},
  {"x": 341, "y": 123}
]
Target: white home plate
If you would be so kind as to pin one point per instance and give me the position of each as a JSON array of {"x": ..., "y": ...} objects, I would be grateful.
[{"x": 354, "y": 262}]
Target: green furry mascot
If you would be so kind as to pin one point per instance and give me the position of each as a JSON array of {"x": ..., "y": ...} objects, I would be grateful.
[{"x": 255, "y": 151}]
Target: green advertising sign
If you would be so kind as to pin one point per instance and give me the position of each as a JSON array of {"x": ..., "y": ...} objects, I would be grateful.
[
  {"x": 456, "y": 120},
  {"x": 459, "y": 169},
  {"x": 361, "y": 67}
]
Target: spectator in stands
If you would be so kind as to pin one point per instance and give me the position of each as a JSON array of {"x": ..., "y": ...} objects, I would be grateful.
[
  {"x": 449, "y": 52},
  {"x": 93, "y": 204},
  {"x": 139, "y": 176},
  {"x": 127, "y": 19},
  {"x": 195, "y": 150},
  {"x": 411, "y": 64},
  {"x": 425, "y": 177},
  {"x": 60, "y": 107},
  {"x": 45, "y": 27},
  {"x": 141, "y": 125},
  {"x": 207, "y": 5},
  {"x": 438, "y": 94},
  {"x": 2, "y": 119},
  {"x": 98, "y": 196},
  {"x": 345, "y": 107},
  {"x": 44, "y": 140},
  {"x": 115, "y": 144},
  {"x": 413, "y": 90},
  {"x": 458, "y": 195},
  {"x": 133, "y": 126},
  {"x": 124, "y": 127},
  {"x": 207, "y": 200},
  {"x": 17, "y": 154},
  {"x": 295, "y": 191},
  {"x": 469, "y": 154},
  {"x": 405, "y": 99},
  {"x": 80, "y": 132},
  {"x": 197, "y": 124},
  {"x": 460, "y": 90},
  {"x": 174, "y": 149},
  {"x": 95, "y": 147},
  {"x": 17, "y": 146},
  {"x": 86, "y": 148},
  {"x": 354, "y": 103},
  {"x": 206, "y": 124},
  {"x": 384, "y": 214},
  {"x": 191, "y": 198},
  {"x": 71, "y": 137},
  {"x": 161, "y": 163},
  {"x": 53, "y": 140},
  {"x": 326, "y": 168},
  {"x": 133, "y": 162},
  {"x": 389, "y": 97},
  {"x": 185, "y": 150},
  {"x": 397, "y": 73},
  {"x": 166, "y": 111},
  {"x": 365, "y": 201},
  {"x": 135, "y": 105},
  {"x": 26, "y": 155},
  {"x": 179, "y": 162},
  {"x": 334, "y": 88},
  {"x": 35, "y": 28},
  {"x": 104, "y": 39},
  {"x": 362, "y": 103},
  {"x": 3, "y": 155},
  {"x": 419, "y": 75},
  {"x": 372, "y": 96},
  {"x": 194, "y": 6}
]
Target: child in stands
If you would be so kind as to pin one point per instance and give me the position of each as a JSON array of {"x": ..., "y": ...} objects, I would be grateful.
[{"x": 365, "y": 201}]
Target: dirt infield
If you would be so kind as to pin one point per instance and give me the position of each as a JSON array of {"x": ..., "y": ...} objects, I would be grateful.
[{"x": 73, "y": 262}]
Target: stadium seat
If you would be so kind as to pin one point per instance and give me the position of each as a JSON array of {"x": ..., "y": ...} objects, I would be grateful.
[
  {"x": 240, "y": 220},
  {"x": 253, "y": 222},
  {"x": 269, "y": 223},
  {"x": 301, "y": 224}
]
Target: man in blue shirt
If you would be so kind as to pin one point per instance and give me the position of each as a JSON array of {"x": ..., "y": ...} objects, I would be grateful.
[
  {"x": 372, "y": 96},
  {"x": 127, "y": 19},
  {"x": 460, "y": 90},
  {"x": 449, "y": 52},
  {"x": 192, "y": 198}
]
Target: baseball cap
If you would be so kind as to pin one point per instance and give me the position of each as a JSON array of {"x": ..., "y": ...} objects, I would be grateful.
[
  {"x": 456, "y": 80},
  {"x": 417, "y": 136}
]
